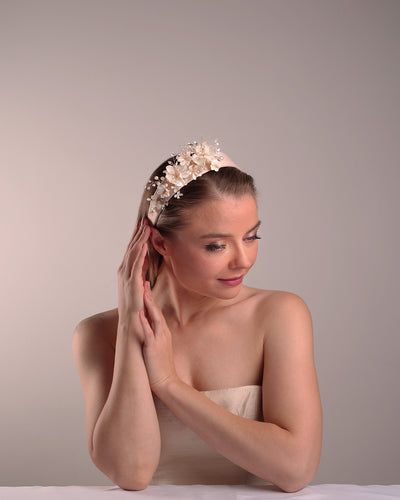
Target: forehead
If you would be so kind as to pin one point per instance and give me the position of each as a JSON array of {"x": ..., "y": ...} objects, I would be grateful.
[{"x": 222, "y": 213}]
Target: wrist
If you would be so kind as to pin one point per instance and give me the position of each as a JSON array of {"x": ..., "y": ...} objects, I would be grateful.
[
  {"x": 129, "y": 330},
  {"x": 168, "y": 385}
]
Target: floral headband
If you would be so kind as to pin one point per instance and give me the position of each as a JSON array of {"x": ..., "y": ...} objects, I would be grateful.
[{"x": 192, "y": 162}]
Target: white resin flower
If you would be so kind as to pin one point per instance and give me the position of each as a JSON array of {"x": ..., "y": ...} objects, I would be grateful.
[
  {"x": 184, "y": 158},
  {"x": 194, "y": 160},
  {"x": 178, "y": 176},
  {"x": 162, "y": 191}
]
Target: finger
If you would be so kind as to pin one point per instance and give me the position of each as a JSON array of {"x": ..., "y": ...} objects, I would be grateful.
[
  {"x": 154, "y": 312},
  {"x": 136, "y": 232},
  {"x": 141, "y": 242},
  {"x": 131, "y": 243},
  {"x": 146, "y": 265},
  {"x": 147, "y": 330},
  {"x": 136, "y": 236},
  {"x": 142, "y": 234},
  {"x": 146, "y": 287},
  {"x": 134, "y": 252},
  {"x": 138, "y": 264}
]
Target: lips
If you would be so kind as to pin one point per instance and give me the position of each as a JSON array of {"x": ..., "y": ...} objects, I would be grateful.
[{"x": 232, "y": 281}]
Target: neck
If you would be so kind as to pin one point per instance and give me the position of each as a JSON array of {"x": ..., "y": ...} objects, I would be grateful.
[{"x": 179, "y": 305}]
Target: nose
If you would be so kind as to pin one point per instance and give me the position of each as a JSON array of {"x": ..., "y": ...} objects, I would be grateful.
[{"x": 240, "y": 258}]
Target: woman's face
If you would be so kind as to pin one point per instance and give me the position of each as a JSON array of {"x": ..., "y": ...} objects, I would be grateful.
[{"x": 211, "y": 255}]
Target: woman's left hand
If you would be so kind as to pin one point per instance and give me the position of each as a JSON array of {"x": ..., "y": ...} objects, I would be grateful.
[{"x": 157, "y": 346}]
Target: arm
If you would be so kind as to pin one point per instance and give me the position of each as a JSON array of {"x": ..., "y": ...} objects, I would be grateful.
[
  {"x": 122, "y": 426},
  {"x": 285, "y": 448}
]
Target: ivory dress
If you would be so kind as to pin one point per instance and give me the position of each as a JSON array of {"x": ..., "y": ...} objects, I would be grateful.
[{"x": 186, "y": 459}]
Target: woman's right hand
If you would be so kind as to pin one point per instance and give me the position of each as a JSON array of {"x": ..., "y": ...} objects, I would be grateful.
[{"x": 132, "y": 275}]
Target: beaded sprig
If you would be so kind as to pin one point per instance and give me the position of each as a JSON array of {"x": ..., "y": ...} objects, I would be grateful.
[{"x": 194, "y": 160}]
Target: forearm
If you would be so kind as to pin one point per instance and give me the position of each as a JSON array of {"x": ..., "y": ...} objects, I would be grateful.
[
  {"x": 262, "y": 448},
  {"x": 126, "y": 437}
]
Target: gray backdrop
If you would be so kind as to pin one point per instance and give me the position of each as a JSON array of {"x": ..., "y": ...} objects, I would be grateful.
[{"x": 304, "y": 95}]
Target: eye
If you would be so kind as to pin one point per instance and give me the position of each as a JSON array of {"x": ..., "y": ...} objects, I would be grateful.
[
  {"x": 214, "y": 247},
  {"x": 252, "y": 238}
]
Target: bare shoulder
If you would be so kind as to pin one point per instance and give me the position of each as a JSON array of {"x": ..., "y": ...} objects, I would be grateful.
[
  {"x": 289, "y": 327},
  {"x": 275, "y": 298},
  {"x": 100, "y": 328},
  {"x": 281, "y": 302},
  {"x": 278, "y": 311}
]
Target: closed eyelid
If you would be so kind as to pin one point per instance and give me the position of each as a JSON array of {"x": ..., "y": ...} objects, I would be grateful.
[
  {"x": 219, "y": 246},
  {"x": 216, "y": 244},
  {"x": 212, "y": 247},
  {"x": 211, "y": 235},
  {"x": 223, "y": 243},
  {"x": 229, "y": 237}
]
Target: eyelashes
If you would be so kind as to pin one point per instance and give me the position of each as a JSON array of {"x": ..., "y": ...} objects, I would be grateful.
[{"x": 212, "y": 247}]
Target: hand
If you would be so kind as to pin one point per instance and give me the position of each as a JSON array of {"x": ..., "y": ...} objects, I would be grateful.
[
  {"x": 157, "y": 347},
  {"x": 132, "y": 274}
]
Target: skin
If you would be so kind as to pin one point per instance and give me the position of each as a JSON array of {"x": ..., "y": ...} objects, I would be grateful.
[{"x": 158, "y": 341}]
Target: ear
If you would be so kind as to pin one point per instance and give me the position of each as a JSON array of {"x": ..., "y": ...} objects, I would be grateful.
[{"x": 158, "y": 241}]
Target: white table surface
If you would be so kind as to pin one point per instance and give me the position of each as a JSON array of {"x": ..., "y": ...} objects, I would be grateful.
[{"x": 201, "y": 492}]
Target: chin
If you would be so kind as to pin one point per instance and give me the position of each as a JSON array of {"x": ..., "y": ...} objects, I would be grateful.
[
  {"x": 228, "y": 292},
  {"x": 214, "y": 291}
]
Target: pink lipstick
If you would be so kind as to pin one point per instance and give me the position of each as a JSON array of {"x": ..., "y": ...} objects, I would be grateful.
[{"x": 232, "y": 281}]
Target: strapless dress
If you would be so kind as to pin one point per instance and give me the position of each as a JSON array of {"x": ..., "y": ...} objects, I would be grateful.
[{"x": 186, "y": 459}]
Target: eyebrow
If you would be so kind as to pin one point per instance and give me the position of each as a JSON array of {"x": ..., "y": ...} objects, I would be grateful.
[{"x": 218, "y": 235}]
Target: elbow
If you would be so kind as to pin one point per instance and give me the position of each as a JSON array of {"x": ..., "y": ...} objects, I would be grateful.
[
  {"x": 136, "y": 477},
  {"x": 293, "y": 483},
  {"x": 134, "y": 483},
  {"x": 299, "y": 476},
  {"x": 298, "y": 467}
]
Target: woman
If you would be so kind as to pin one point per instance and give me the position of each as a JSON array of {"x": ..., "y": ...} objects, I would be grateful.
[{"x": 195, "y": 377}]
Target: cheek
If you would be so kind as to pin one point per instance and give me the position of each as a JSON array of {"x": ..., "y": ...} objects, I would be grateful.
[
  {"x": 208, "y": 267},
  {"x": 255, "y": 252},
  {"x": 201, "y": 264},
  {"x": 187, "y": 261}
]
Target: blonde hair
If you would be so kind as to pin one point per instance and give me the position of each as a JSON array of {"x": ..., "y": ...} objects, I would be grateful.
[{"x": 210, "y": 186}]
